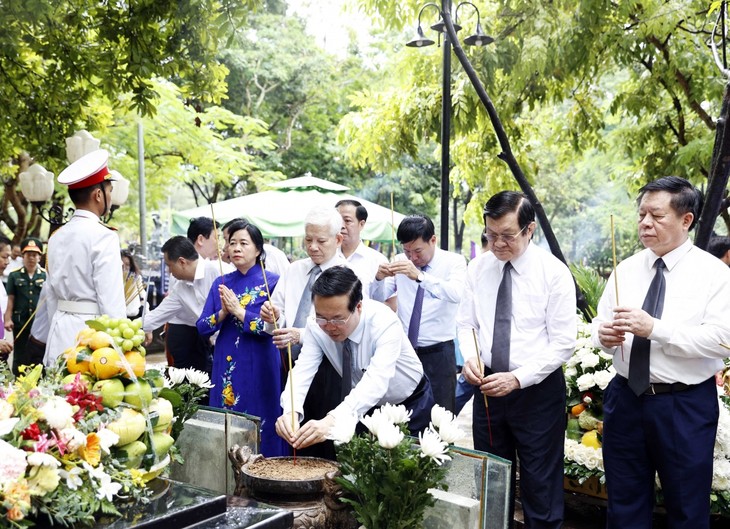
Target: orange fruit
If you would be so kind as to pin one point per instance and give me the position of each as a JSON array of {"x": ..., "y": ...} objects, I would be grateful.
[
  {"x": 578, "y": 409},
  {"x": 105, "y": 363},
  {"x": 136, "y": 362},
  {"x": 100, "y": 339},
  {"x": 77, "y": 359}
]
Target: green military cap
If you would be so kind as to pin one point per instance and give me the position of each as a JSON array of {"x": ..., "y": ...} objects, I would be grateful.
[{"x": 31, "y": 244}]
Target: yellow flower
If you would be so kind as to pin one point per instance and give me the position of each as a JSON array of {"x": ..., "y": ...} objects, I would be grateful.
[
  {"x": 17, "y": 495},
  {"x": 228, "y": 358},
  {"x": 91, "y": 453},
  {"x": 212, "y": 320},
  {"x": 43, "y": 480},
  {"x": 245, "y": 300},
  {"x": 228, "y": 397},
  {"x": 253, "y": 326},
  {"x": 138, "y": 477}
]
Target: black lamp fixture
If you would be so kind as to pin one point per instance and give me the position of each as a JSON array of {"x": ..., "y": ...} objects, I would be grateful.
[{"x": 479, "y": 38}]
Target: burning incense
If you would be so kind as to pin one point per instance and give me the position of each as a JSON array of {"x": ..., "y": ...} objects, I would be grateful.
[
  {"x": 481, "y": 371},
  {"x": 615, "y": 275},
  {"x": 288, "y": 351}
]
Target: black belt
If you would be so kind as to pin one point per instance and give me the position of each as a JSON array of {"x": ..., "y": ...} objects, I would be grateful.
[
  {"x": 416, "y": 392},
  {"x": 659, "y": 388},
  {"x": 432, "y": 348}
]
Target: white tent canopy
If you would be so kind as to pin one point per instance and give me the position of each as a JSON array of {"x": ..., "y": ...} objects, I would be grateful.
[{"x": 280, "y": 212}]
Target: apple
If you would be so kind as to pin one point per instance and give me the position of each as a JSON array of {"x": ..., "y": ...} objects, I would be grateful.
[
  {"x": 111, "y": 391},
  {"x": 138, "y": 394}
]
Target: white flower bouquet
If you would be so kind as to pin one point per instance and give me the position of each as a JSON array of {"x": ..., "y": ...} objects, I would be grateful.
[{"x": 385, "y": 475}]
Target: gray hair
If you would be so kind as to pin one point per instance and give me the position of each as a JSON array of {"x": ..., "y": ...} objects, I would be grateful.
[{"x": 325, "y": 217}]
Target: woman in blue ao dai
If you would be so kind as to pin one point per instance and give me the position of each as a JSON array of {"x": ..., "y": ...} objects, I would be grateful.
[{"x": 246, "y": 365}]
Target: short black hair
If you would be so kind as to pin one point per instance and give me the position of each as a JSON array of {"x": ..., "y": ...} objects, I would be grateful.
[
  {"x": 179, "y": 246},
  {"x": 360, "y": 212},
  {"x": 200, "y": 226},
  {"x": 132, "y": 263},
  {"x": 4, "y": 240},
  {"x": 253, "y": 231},
  {"x": 719, "y": 246},
  {"x": 686, "y": 198},
  {"x": 228, "y": 224},
  {"x": 83, "y": 195},
  {"x": 415, "y": 227},
  {"x": 506, "y": 202},
  {"x": 339, "y": 281}
]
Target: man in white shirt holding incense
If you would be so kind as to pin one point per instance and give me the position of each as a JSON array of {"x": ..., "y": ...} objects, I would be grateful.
[{"x": 666, "y": 333}]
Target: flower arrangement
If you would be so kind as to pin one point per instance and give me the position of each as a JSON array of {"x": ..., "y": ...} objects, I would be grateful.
[
  {"x": 385, "y": 476},
  {"x": 93, "y": 428},
  {"x": 587, "y": 374}
]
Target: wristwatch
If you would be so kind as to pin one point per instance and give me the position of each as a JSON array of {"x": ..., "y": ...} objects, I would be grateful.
[{"x": 420, "y": 277}]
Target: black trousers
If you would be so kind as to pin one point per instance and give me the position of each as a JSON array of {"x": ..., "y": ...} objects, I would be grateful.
[
  {"x": 530, "y": 424},
  {"x": 187, "y": 347},
  {"x": 439, "y": 365}
]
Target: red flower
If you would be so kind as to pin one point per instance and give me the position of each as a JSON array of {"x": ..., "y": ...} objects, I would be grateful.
[{"x": 31, "y": 433}]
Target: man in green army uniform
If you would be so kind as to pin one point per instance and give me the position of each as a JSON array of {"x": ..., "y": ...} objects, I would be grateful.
[{"x": 24, "y": 287}]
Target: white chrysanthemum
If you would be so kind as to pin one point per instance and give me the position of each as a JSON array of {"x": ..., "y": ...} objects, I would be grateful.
[
  {"x": 107, "y": 439},
  {"x": 198, "y": 378},
  {"x": 73, "y": 438},
  {"x": 432, "y": 446},
  {"x": 397, "y": 414},
  {"x": 12, "y": 462},
  {"x": 602, "y": 378},
  {"x": 571, "y": 372},
  {"x": 176, "y": 375},
  {"x": 375, "y": 421},
  {"x": 7, "y": 425},
  {"x": 343, "y": 429},
  {"x": 40, "y": 459},
  {"x": 585, "y": 381},
  {"x": 573, "y": 361},
  {"x": 57, "y": 413},
  {"x": 440, "y": 414},
  {"x": 450, "y": 432},
  {"x": 389, "y": 435}
]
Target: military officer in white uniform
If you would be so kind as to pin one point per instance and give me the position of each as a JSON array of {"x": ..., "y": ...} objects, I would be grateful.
[{"x": 84, "y": 279}]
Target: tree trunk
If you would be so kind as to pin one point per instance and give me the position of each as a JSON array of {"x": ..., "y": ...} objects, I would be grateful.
[{"x": 719, "y": 171}]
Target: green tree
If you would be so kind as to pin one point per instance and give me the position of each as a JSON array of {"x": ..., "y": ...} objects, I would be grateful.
[{"x": 62, "y": 60}]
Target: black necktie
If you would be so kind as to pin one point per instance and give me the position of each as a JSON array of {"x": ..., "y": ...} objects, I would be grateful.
[
  {"x": 502, "y": 322},
  {"x": 305, "y": 306},
  {"x": 414, "y": 325},
  {"x": 346, "y": 368},
  {"x": 653, "y": 305}
]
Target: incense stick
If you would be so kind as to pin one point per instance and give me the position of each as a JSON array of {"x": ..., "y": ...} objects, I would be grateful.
[
  {"x": 481, "y": 371},
  {"x": 615, "y": 274},
  {"x": 288, "y": 350},
  {"x": 217, "y": 245},
  {"x": 392, "y": 223}
]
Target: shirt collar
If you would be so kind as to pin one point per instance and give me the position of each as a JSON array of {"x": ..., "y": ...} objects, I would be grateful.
[
  {"x": 519, "y": 264},
  {"x": 357, "y": 334},
  {"x": 85, "y": 213},
  {"x": 199, "y": 270},
  {"x": 670, "y": 258}
]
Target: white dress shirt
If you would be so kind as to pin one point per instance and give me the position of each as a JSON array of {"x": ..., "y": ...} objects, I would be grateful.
[
  {"x": 3, "y": 299},
  {"x": 443, "y": 282},
  {"x": 84, "y": 264},
  {"x": 185, "y": 299},
  {"x": 276, "y": 261},
  {"x": 365, "y": 262},
  {"x": 685, "y": 342},
  {"x": 384, "y": 366},
  {"x": 544, "y": 327},
  {"x": 291, "y": 286},
  {"x": 183, "y": 319}
]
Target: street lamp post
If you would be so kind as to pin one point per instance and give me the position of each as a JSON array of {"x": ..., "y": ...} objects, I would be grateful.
[{"x": 476, "y": 39}]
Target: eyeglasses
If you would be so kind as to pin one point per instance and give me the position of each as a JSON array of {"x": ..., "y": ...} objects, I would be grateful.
[
  {"x": 338, "y": 323},
  {"x": 492, "y": 237}
]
